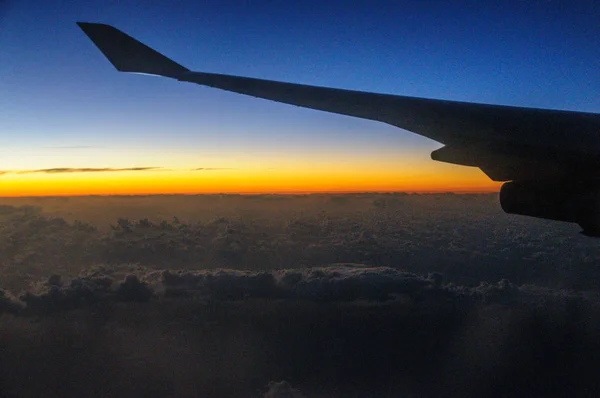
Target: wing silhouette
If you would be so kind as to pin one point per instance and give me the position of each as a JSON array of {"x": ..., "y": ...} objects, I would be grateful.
[{"x": 543, "y": 149}]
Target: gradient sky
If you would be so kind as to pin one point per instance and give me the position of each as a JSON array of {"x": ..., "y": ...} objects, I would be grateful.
[{"x": 63, "y": 106}]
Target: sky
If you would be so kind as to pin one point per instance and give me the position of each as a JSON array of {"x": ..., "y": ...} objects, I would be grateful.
[{"x": 71, "y": 124}]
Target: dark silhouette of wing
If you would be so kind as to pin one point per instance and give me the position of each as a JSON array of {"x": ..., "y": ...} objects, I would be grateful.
[{"x": 506, "y": 142}]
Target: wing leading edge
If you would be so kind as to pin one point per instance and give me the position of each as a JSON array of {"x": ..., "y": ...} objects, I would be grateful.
[{"x": 507, "y": 143}]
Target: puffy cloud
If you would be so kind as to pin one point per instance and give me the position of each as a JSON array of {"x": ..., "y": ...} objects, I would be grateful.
[
  {"x": 339, "y": 282},
  {"x": 334, "y": 283},
  {"x": 95, "y": 285},
  {"x": 9, "y": 304},
  {"x": 350, "y": 282},
  {"x": 221, "y": 284},
  {"x": 52, "y": 295},
  {"x": 342, "y": 282},
  {"x": 502, "y": 292},
  {"x": 132, "y": 289},
  {"x": 282, "y": 389}
]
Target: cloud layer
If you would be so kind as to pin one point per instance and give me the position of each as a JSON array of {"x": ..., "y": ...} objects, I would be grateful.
[
  {"x": 344, "y": 330},
  {"x": 335, "y": 283}
]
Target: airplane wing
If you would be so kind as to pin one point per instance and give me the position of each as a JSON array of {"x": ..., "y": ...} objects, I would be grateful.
[{"x": 507, "y": 143}]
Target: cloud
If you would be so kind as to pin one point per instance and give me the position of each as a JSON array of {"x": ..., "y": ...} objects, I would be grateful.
[
  {"x": 53, "y": 296},
  {"x": 131, "y": 289},
  {"x": 334, "y": 283},
  {"x": 8, "y": 303},
  {"x": 74, "y": 147},
  {"x": 282, "y": 389},
  {"x": 59, "y": 170},
  {"x": 493, "y": 333},
  {"x": 211, "y": 168},
  {"x": 328, "y": 284}
]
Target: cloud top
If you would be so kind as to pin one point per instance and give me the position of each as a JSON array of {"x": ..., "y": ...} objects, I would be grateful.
[
  {"x": 335, "y": 283},
  {"x": 59, "y": 170}
]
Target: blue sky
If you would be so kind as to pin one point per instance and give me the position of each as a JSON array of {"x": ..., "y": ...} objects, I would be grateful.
[{"x": 63, "y": 104}]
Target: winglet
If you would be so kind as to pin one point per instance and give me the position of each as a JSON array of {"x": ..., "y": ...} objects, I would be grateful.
[{"x": 129, "y": 55}]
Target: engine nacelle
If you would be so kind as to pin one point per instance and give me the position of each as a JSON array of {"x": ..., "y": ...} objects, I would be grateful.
[{"x": 569, "y": 201}]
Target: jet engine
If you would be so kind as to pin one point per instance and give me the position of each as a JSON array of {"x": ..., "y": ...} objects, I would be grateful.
[{"x": 571, "y": 201}]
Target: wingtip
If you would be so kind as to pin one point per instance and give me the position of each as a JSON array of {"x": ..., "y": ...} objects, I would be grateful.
[
  {"x": 128, "y": 54},
  {"x": 90, "y": 25}
]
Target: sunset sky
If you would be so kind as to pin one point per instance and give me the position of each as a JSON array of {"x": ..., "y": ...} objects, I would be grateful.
[{"x": 70, "y": 124}]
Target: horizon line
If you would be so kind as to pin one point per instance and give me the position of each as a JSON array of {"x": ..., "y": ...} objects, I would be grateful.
[{"x": 286, "y": 193}]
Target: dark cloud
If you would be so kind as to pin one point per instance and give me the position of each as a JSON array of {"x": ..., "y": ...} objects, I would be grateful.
[
  {"x": 335, "y": 283},
  {"x": 59, "y": 170},
  {"x": 9, "y": 304},
  {"x": 282, "y": 389},
  {"x": 327, "y": 284},
  {"x": 53, "y": 296},
  {"x": 340, "y": 330},
  {"x": 132, "y": 289}
]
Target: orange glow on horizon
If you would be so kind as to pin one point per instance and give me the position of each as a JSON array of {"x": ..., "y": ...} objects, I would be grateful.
[{"x": 291, "y": 181}]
